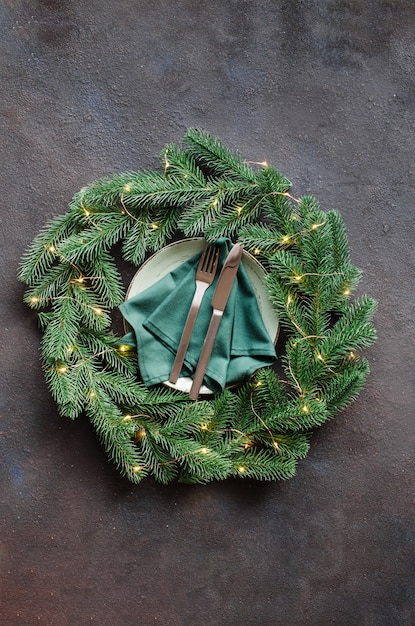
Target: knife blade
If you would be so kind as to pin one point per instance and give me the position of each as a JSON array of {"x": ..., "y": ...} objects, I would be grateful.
[{"x": 219, "y": 301}]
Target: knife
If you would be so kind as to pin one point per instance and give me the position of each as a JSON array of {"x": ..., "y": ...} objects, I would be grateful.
[{"x": 219, "y": 300}]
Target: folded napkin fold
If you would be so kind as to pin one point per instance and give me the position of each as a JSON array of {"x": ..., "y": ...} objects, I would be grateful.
[{"x": 157, "y": 317}]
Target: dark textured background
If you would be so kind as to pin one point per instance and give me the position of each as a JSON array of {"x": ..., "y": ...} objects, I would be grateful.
[{"x": 322, "y": 89}]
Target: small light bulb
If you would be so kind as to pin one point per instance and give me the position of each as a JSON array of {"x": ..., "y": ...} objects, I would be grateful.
[
  {"x": 204, "y": 450},
  {"x": 285, "y": 239},
  {"x": 126, "y": 418},
  {"x": 87, "y": 213},
  {"x": 127, "y": 188},
  {"x": 62, "y": 369},
  {"x": 34, "y": 299},
  {"x": 257, "y": 251},
  {"x": 137, "y": 468},
  {"x": 154, "y": 226},
  {"x": 239, "y": 210},
  {"x": 141, "y": 433},
  {"x": 241, "y": 469},
  {"x": 98, "y": 311},
  {"x": 52, "y": 248},
  {"x": 305, "y": 408},
  {"x": 346, "y": 292},
  {"x": 264, "y": 164}
]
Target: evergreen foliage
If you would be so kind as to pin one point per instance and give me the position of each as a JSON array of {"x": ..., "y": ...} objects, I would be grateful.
[{"x": 259, "y": 430}]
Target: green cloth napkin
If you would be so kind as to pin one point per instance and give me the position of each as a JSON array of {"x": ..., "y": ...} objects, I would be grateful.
[{"x": 157, "y": 317}]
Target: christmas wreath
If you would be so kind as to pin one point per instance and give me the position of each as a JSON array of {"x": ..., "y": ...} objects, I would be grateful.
[{"x": 258, "y": 430}]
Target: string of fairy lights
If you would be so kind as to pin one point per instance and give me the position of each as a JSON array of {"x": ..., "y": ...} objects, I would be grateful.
[{"x": 80, "y": 279}]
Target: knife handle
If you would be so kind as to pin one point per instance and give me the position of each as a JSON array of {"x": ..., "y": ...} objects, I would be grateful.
[
  {"x": 187, "y": 330},
  {"x": 202, "y": 364}
]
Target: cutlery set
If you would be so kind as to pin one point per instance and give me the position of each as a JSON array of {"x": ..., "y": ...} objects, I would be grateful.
[{"x": 205, "y": 275}]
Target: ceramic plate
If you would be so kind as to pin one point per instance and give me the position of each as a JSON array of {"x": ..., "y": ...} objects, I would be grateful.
[{"x": 173, "y": 255}]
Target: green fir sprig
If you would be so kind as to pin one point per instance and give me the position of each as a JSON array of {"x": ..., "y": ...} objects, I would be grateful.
[{"x": 259, "y": 430}]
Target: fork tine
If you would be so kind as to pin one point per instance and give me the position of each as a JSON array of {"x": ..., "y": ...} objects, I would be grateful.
[
  {"x": 215, "y": 261},
  {"x": 205, "y": 260},
  {"x": 209, "y": 259}
]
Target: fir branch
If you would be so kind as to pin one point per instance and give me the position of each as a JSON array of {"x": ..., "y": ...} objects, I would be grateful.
[
  {"x": 156, "y": 191},
  {"x": 116, "y": 436},
  {"x": 105, "y": 280},
  {"x": 289, "y": 445},
  {"x": 62, "y": 329},
  {"x": 274, "y": 184},
  {"x": 260, "y": 239},
  {"x": 103, "y": 195},
  {"x": 105, "y": 346},
  {"x": 263, "y": 465},
  {"x": 89, "y": 306},
  {"x": 51, "y": 285},
  {"x": 40, "y": 256},
  {"x": 157, "y": 459},
  {"x": 352, "y": 332},
  {"x": 299, "y": 414},
  {"x": 181, "y": 164},
  {"x": 201, "y": 464},
  {"x": 226, "y": 205},
  {"x": 291, "y": 306},
  {"x": 102, "y": 232},
  {"x": 215, "y": 157},
  {"x": 135, "y": 244},
  {"x": 339, "y": 248},
  {"x": 121, "y": 388},
  {"x": 232, "y": 217},
  {"x": 342, "y": 390}
]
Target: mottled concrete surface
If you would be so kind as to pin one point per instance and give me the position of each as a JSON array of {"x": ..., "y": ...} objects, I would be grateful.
[{"x": 324, "y": 90}]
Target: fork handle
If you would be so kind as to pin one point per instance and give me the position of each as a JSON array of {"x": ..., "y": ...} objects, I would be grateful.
[
  {"x": 202, "y": 364},
  {"x": 187, "y": 330}
]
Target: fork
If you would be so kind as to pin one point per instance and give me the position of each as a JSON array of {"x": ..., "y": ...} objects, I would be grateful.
[{"x": 205, "y": 273}]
